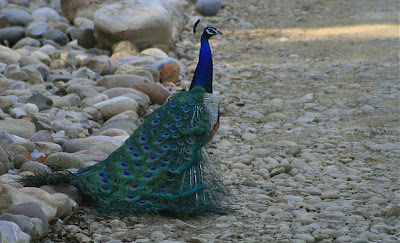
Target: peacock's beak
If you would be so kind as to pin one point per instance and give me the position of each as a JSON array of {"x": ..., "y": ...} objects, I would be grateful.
[{"x": 219, "y": 32}]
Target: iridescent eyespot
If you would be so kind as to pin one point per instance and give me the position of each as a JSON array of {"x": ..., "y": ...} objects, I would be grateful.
[
  {"x": 102, "y": 174},
  {"x": 130, "y": 198},
  {"x": 132, "y": 148},
  {"x": 148, "y": 175},
  {"x": 124, "y": 164}
]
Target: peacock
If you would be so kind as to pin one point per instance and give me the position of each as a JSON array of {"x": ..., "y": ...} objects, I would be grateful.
[{"x": 163, "y": 166}]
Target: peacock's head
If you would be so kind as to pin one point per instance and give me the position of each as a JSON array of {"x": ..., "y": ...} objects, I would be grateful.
[{"x": 208, "y": 31}]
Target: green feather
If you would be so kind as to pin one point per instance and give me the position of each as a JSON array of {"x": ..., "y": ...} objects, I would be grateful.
[{"x": 161, "y": 167}]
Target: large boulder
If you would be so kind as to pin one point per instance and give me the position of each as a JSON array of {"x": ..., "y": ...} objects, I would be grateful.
[
  {"x": 144, "y": 22},
  {"x": 81, "y": 8}
]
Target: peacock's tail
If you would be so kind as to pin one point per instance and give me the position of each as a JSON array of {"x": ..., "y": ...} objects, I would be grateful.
[{"x": 162, "y": 167}]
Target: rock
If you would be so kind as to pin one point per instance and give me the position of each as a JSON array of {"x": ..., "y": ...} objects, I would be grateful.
[
  {"x": 170, "y": 73},
  {"x": 3, "y": 20},
  {"x": 17, "y": 16},
  {"x": 208, "y": 7},
  {"x": 114, "y": 106},
  {"x": 10, "y": 232},
  {"x": 48, "y": 147},
  {"x": 33, "y": 226},
  {"x": 42, "y": 57},
  {"x": 4, "y": 159},
  {"x": 82, "y": 91},
  {"x": 18, "y": 127},
  {"x": 83, "y": 23},
  {"x": 308, "y": 118},
  {"x": 73, "y": 99},
  {"x": 69, "y": 190},
  {"x": 34, "y": 75},
  {"x": 306, "y": 237},
  {"x": 103, "y": 143},
  {"x": 128, "y": 81},
  {"x": 112, "y": 132},
  {"x": 28, "y": 41},
  {"x": 65, "y": 160},
  {"x": 19, "y": 160},
  {"x": 18, "y": 75},
  {"x": 157, "y": 236},
  {"x": 86, "y": 38},
  {"x": 330, "y": 195},
  {"x": 65, "y": 205},
  {"x": 249, "y": 136},
  {"x": 275, "y": 105},
  {"x": 46, "y": 14},
  {"x": 125, "y": 46},
  {"x": 6, "y": 102},
  {"x": 382, "y": 147},
  {"x": 11, "y": 35},
  {"x": 142, "y": 99},
  {"x": 57, "y": 36},
  {"x": 123, "y": 65},
  {"x": 155, "y": 52},
  {"x": 156, "y": 93},
  {"x": 36, "y": 29},
  {"x": 332, "y": 215},
  {"x": 294, "y": 150},
  {"x": 393, "y": 211},
  {"x": 39, "y": 66},
  {"x": 125, "y": 124},
  {"x": 34, "y": 167},
  {"x": 99, "y": 64},
  {"x": 41, "y": 101},
  {"x": 2, "y": 169},
  {"x": 307, "y": 98},
  {"x": 18, "y": 113},
  {"x": 10, "y": 196},
  {"x": 8, "y": 56},
  {"x": 42, "y": 136},
  {"x": 145, "y": 23}
]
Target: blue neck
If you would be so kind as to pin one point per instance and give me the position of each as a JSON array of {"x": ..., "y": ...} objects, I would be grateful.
[{"x": 204, "y": 70}]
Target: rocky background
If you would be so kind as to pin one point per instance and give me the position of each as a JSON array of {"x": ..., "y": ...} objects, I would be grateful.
[{"x": 309, "y": 91}]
